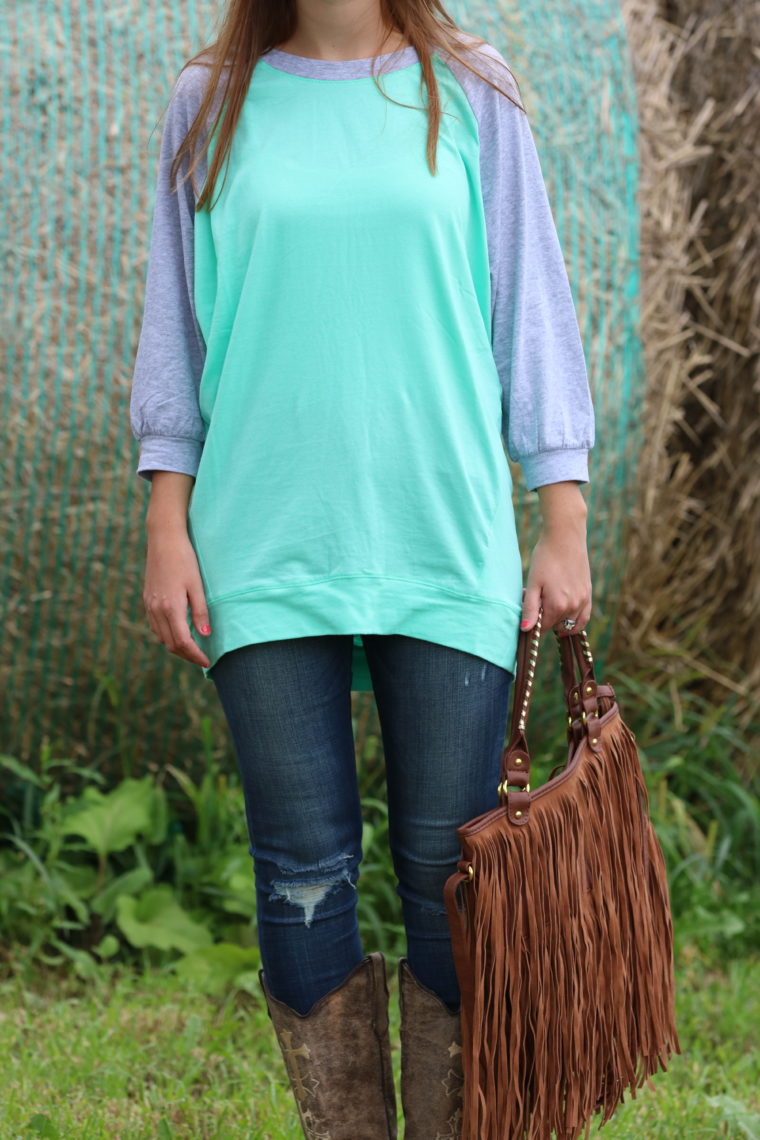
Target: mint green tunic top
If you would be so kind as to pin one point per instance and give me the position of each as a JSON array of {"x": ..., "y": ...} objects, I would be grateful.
[{"x": 341, "y": 350}]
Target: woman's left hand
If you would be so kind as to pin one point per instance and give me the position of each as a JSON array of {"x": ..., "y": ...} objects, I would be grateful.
[{"x": 559, "y": 577}]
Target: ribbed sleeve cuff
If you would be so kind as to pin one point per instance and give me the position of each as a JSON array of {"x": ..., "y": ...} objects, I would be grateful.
[
  {"x": 555, "y": 466},
  {"x": 168, "y": 453}
]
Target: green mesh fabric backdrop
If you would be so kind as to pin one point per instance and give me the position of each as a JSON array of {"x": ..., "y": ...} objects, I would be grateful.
[{"x": 84, "y": 86}]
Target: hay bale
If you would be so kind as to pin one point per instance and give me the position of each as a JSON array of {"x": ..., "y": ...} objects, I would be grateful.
[{"x": 691, "y": 591}]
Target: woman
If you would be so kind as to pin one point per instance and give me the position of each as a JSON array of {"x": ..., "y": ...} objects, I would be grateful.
[{"x": 334, "y": 355}]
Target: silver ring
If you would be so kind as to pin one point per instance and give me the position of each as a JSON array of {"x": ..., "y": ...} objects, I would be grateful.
[{"x": 569, "y": 623}]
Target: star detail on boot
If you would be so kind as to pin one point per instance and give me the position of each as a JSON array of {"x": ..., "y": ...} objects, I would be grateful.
[
  {"x": 454, "y": 1049},
  {"x": 453, "y": 1082},
  {"x": 314, "y": 1127},
  {"x": 454, "y": 1125}
]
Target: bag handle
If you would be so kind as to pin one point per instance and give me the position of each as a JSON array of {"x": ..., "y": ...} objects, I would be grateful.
[{"x": 582, "y": 703}]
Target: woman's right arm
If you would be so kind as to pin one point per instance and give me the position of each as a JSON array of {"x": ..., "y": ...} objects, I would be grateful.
[
  {"x": 172, "y": 576},
  {"x": 164, "y": 408}
]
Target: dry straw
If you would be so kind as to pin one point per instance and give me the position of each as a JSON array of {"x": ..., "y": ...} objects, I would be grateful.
[{"x": 691, "y": 591}]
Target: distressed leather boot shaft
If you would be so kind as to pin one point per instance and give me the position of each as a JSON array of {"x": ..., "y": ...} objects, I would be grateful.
[
  {"x": 431, "y": 1062},
  {"x": 338, "y": 1057}
]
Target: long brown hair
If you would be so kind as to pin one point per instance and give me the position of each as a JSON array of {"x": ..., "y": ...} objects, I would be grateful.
[{"x": 251, "y": 27}]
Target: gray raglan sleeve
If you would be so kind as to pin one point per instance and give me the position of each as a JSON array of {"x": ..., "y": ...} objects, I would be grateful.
[
  {"x": 547, "y": 410},
  {"x": 164, "y": 410}
]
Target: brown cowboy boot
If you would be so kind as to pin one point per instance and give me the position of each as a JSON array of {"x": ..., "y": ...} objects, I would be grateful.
[
  {"x": 431, "y": 1062},
  {"x": 338, "y": 1057}
]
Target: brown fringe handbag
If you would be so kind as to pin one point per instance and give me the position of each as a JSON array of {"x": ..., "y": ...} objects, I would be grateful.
[{"x": 561, "y": 927}]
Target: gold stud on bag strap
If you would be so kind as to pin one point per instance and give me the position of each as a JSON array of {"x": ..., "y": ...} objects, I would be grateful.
[
  {"x": 526, "y": 670},
  {"x": 514, "y": 787},
  {"x": 532, "y": 658}
]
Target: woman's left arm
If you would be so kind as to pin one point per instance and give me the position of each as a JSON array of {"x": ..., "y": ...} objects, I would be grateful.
[
  {"x": 559, "y": 577},
  {"x": 548, "y": 423}
]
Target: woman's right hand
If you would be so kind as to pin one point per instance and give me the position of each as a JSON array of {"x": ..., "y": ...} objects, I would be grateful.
[
  {"x": 172, "y": 580},
  {"x": 172, "y": 575}
]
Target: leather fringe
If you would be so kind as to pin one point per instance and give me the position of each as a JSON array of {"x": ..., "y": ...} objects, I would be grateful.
[{"x": 570, "y": 951}]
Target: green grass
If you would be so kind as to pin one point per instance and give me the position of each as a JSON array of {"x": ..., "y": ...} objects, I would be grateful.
[{"x": 131, "y": 1057}]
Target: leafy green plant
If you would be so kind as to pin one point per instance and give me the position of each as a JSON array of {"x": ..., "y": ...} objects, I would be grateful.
[
  {"x": 112, "y": 875},
  {"x": 706, "y": 811}
]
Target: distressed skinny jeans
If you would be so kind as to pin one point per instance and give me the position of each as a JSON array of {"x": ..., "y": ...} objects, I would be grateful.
[{"x": 443, "y": 715}]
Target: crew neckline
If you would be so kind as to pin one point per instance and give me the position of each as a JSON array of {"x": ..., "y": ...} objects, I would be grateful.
[{"x": 311, "y": 68}]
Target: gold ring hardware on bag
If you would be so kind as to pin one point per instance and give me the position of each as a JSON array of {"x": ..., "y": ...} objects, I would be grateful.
[
  {"x": 503, "y": 788},
  {"x": 470, "y": 872}
]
